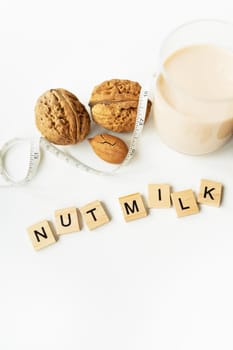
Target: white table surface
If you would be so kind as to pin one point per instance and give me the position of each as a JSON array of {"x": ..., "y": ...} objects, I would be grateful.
[{"x": 155, "y": 283}]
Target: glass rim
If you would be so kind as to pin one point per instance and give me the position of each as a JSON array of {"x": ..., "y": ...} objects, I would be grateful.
[{"x": 166, "y": 75}]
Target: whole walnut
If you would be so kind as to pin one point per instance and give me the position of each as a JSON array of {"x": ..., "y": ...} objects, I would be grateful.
[
  {"x": 114, "y": 104},
  {"x": 61, "y": 118}
]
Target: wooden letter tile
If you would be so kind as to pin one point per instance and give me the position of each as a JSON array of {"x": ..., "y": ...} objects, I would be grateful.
[
  {"x": 132, "y": 206},
  {"x": 67, "y": 220},
  {"x": 185, "y": 203},
  {"x": 159, "y": 196},
  {"x": 41, "y": 235},
  {"x": 210, "y": 193},
  {"x": 94, "y": 215}
]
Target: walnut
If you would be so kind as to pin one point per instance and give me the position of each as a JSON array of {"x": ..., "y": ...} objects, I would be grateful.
[
  {"x": 61, "y": 117},
  {"x": 114, "y": 104}
]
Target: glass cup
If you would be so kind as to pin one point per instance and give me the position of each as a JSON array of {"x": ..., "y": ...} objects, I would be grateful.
[{"x": 193, "y": 107}]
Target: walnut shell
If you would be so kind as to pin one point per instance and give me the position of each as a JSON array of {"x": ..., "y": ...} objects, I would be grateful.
[
  {"x": 61, "y": 118},
  {"x": 114, "y": 104}
]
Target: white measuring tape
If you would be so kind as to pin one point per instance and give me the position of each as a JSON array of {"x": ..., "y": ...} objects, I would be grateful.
[{"x": 36, "y": 144}]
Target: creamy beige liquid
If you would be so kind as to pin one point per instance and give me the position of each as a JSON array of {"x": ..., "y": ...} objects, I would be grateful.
[
  {"x": 203, "y": 71},
  {"x": 194, "y": 98}
]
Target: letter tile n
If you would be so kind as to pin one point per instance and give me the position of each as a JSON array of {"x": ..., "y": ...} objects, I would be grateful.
[{"x": 41, "y": 235}]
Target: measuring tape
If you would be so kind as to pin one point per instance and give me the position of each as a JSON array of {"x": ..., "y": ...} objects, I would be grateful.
[{"x": 36, "y": 144}]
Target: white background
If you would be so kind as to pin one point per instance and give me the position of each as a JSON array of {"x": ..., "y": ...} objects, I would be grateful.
[{"x": 155, "y": 283}]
